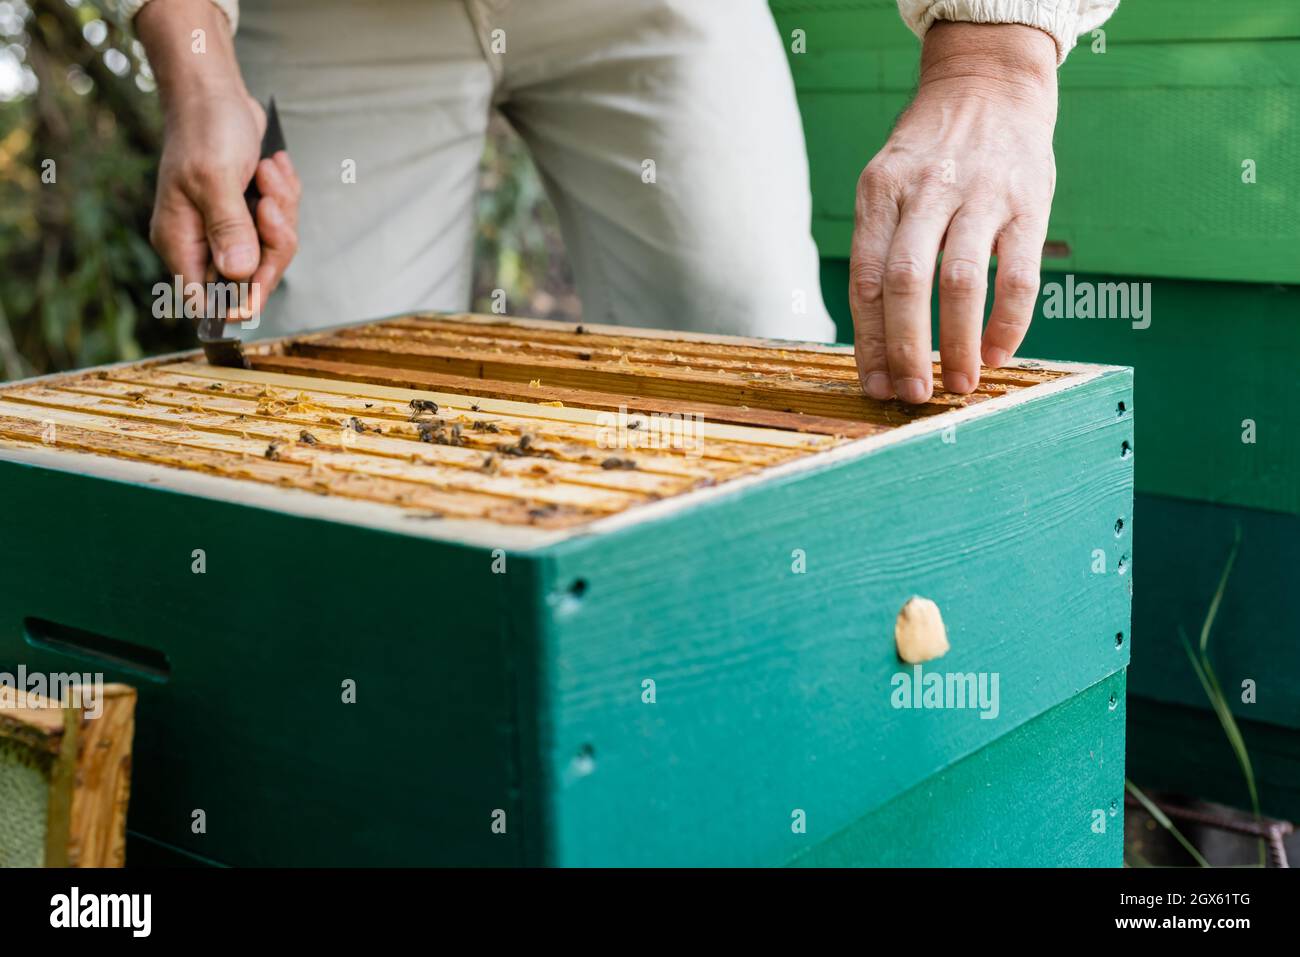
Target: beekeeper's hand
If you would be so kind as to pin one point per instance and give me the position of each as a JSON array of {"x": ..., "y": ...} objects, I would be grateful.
[{"x": 968, "y": 171}]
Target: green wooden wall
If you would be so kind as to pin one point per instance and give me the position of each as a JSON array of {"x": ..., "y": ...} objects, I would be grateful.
[{"x": 1150, "y": 145}]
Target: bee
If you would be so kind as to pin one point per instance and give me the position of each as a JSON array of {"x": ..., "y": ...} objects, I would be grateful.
[
  {"x": 423, "y": 405},
  {"x": 614, "y": 462},
  {"x": 273, "y": 450},
  {"x": 306, "y": 438},
  {"x": 543, "y": 511}
]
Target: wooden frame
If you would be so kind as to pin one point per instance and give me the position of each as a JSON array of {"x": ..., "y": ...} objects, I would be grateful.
[{"x": 86, "y": 766}]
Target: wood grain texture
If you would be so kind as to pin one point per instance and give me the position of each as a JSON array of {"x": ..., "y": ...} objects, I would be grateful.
[
  {"x": 572, "y": 398},
  {"x": 102, "y": 787},
  {"x": 463, "y": 456},
  {"x": 759, "y": 667},
  {"x": 1032, "y": 798},
  {"x": 84, "y": 762}
]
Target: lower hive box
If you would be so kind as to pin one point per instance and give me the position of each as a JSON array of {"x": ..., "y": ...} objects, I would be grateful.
[{"x": 466, "y": 590}]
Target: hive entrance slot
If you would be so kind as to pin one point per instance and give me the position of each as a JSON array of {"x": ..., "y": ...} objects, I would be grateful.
[{"x": 91, "y": 646}]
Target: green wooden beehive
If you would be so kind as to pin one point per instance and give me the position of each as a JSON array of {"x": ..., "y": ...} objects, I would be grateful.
[{"x": 481, "y": 616}]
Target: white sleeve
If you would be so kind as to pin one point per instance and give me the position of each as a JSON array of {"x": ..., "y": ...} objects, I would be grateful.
[
  {"x": 229, "y": 7},
  {"x": 1065, "y": 20}
]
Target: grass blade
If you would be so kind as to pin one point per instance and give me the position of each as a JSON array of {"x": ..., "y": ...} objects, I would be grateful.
[{"x": 1163, "y": 820}]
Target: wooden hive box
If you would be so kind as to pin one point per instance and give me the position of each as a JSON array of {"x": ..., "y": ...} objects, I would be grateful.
[{"x": 454, "y": 589}]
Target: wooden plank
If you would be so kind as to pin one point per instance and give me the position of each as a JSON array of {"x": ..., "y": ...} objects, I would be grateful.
[
  {"x": 65, "y": 768},
  {"x": 371, "y": 382},
  {"x": 300, "y": 407},
  {"x": 1032, "y": 797},
  {"x": 600, "y": 348},
  {"x": 403, "y": 445},
  {"x": 530, "y": 483},
  {"x": 102, "y": 786},
  {"x": 843, "y": 400},
  {"x": 242, "y": 464},
  {"x": 713, "y": 413},
  {"x": 516, "y": 345}
]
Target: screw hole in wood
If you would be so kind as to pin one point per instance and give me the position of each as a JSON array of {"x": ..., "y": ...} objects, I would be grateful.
[{"x": 584, "y": 762}]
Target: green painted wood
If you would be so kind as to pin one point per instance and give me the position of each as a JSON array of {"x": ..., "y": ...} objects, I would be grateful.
[
  {"x": 1185, "y": 546},
  {"x": 1183, "y": 750},
  {"x": 523, "y": 691},
  {"x": 773, "y": 689},
  {"x": 1175, "y": 741},
  {"x": 1048, "y": 794},
  {"x": 1215, "y": 355},
  {"x": 1150, "y": 141},
  {"x": 250, "y": 727}
]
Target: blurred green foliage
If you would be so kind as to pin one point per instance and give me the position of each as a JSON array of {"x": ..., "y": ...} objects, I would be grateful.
[
  {"x": 80, "y": 134},
  {"x": 518, "y": 246}
]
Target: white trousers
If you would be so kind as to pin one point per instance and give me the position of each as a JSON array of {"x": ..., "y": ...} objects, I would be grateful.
[{"x": 666, "y": 133}]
